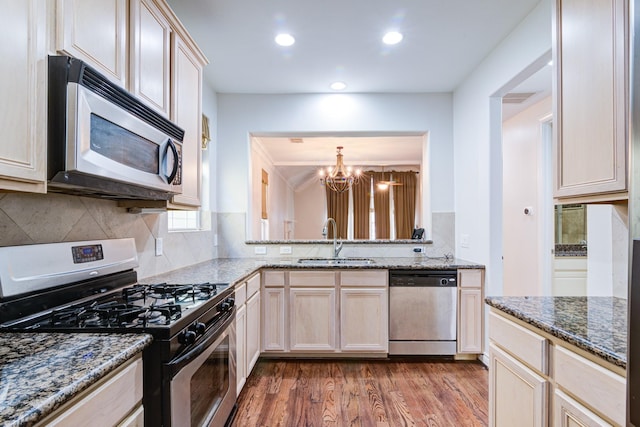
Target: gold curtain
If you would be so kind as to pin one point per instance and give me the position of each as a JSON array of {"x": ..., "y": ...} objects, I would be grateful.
[
  {"x": 361, "y": 206},
  {"x": 404, "y": 197},
  {"x": 338, "y": 209},
  {"x": 381, "y": 206}
]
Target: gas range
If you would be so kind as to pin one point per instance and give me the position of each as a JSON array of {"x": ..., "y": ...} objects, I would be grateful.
[
  {"x": 78, "y": 287},
  {"x": 159, "y": 309}
]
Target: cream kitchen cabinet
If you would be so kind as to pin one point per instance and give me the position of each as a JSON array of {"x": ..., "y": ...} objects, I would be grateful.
[
  {"x": 518, "y": 395},
  {"x": 253, "y": 322},
  {"x": 150, "y": 55},
  {"x": 247, "y": 340},
  {"x": 570, "y": 413},
  {"x": 96, "y": 32},
  {"x": 590, "y": 108},
  {"x": 312, "y": 311},
  {"x": 535, "y": 377},
  {"x": 364, "y": 311},
  {"x": 338, "y": 312},
  {"x": 114, "y": 400},
  {"x": 186, "y": 112},
  {"x": 273, "y": 311},
  {"x": 26, "y": 30},
  {"x": 470, "y": 311},
  {"x": 241, "y": 336}
]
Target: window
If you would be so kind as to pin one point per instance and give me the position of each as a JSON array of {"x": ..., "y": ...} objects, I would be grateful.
[{"x": 183, "y": 221}]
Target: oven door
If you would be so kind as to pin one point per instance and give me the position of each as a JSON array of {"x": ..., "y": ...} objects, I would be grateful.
[
  {"x": 106, "y": 140},
  {"x": 202, "y": 382}
]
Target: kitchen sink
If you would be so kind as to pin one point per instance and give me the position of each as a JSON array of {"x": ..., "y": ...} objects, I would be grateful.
[{"x": 336, "y": 261}]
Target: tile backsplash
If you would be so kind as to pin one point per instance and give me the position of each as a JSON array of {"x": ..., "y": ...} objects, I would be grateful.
[{"x": 39, "y": 218}]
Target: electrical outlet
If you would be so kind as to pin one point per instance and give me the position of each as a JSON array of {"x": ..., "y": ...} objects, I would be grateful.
[
  {"x": 159, "y": 246},
  {"x": 260, "y": 250},
  {"x": 464, "y": 241},
  {"x": 285, "y": 250}
]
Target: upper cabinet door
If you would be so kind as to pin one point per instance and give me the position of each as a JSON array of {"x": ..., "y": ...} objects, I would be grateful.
[
  {"x": 150, "y": 55},
  {"x": 23, "y": 85},
  {"x": 590, "y": 56},
  {"x": 186, "y": 112},
  {"x": 95, "y": 31}
]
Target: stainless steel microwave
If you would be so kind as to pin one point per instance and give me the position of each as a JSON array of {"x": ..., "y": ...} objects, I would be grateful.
[{"x": 104, "y": 142}]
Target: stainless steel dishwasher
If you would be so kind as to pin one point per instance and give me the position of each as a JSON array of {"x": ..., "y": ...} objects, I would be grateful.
[{"x": 422, "y": 312}]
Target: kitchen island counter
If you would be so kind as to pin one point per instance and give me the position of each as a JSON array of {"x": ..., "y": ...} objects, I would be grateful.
[
  {"x": 597, "y": 325},
  {"x": 42, "y": 371}
]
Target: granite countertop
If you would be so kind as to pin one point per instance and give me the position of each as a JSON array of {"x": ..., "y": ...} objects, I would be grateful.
[
  {"x": 41, "y": 371},
  {"x": 595, "y": 324},
  {"x": 233, "y": 270}
]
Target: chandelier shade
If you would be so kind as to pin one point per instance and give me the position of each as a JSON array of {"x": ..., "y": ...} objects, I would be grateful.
[{"x": 339, "y": 178}]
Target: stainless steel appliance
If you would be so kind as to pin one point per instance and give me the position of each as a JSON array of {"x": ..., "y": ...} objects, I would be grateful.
[
  {"x": 75, "y": 287},
  {"x": 422, "y": 312},
  {"x": 102, "y": 141}
]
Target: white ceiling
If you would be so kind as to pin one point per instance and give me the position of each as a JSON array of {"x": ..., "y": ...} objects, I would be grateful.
[{"x": 444, "y": 40}]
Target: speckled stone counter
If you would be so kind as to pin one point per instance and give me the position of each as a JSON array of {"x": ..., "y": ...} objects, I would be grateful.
[
  {"x": 234, "y": 270},
  {"x": 41, "y": 371},
  {"x": 595, "y": 324}
]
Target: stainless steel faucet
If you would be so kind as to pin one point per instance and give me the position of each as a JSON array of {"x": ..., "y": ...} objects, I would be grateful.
[{"x": 336, "y": 248}]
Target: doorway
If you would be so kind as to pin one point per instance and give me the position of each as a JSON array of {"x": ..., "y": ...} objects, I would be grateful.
[{"x": 527, "y": 201}]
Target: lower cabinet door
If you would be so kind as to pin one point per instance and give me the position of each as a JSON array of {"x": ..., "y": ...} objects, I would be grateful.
[
  {"x": 570, "y": 413},
  {"x": 518, "y": 396},
  {"x": 273, "y": 319},
  {"x": 253, "y": 331},
  {"x": 364, "y": 320},
  {"x": 312, "y": 319},
  {"x": 241, "y": 348}
]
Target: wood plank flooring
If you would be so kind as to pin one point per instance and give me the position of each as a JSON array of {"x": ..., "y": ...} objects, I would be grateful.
[{"x": 364, "y": 393}]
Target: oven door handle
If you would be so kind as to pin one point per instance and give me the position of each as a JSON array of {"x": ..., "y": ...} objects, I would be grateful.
[{"x": 172, "y": 368}]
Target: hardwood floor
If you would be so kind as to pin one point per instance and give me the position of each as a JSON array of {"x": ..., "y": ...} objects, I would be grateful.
[{"x": 364, "y": 393}]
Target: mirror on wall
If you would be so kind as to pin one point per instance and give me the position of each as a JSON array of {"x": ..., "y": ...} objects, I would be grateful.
[{"x": 292, "y": 204}]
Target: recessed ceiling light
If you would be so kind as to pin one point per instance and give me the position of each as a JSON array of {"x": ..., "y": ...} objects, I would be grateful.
[
  {"x": 392, "y": 37},
  {"x": 338, "y": 86},
  {"x": 285, "y": 39},
  {"x": 550, "y": 63}
]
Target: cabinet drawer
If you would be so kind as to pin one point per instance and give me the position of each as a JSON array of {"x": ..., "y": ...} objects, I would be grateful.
[
  {"x": 470, "y": 278},
  {"x": 253, "y": 284},
  {"x": 312, "y": 278},
  {"x": 597, "y": 387},
  {"x": 109, "y": 402},
  {"x": 527, "y": 346},
  {"x": 241, "y": 294},
  {"x": 369, "y": 278},
  {"x": 273, "y": 278}
]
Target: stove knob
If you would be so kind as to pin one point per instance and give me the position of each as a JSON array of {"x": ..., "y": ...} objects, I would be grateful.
[
  {"x": 227, "y": 304},
  {"x": 198, "y": 327},
  {"x": 187, "y": 337}
]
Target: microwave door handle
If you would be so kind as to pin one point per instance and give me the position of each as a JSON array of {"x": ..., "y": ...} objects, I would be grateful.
[{"x": 176, "y": 160}]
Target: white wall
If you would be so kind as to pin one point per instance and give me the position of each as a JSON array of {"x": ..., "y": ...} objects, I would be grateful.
[
  {"x": 607, "y": 251},
  {"x": 477, "y": 149},
  {"x": 279, "y": 197},
  {"x": 521, "y": 161},
  {"x": 310, "y": 207},
  {"x": 240, "y": 114}
]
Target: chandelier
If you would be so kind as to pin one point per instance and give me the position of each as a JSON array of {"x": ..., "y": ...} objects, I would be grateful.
[{"x": 339, "y": 178}]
